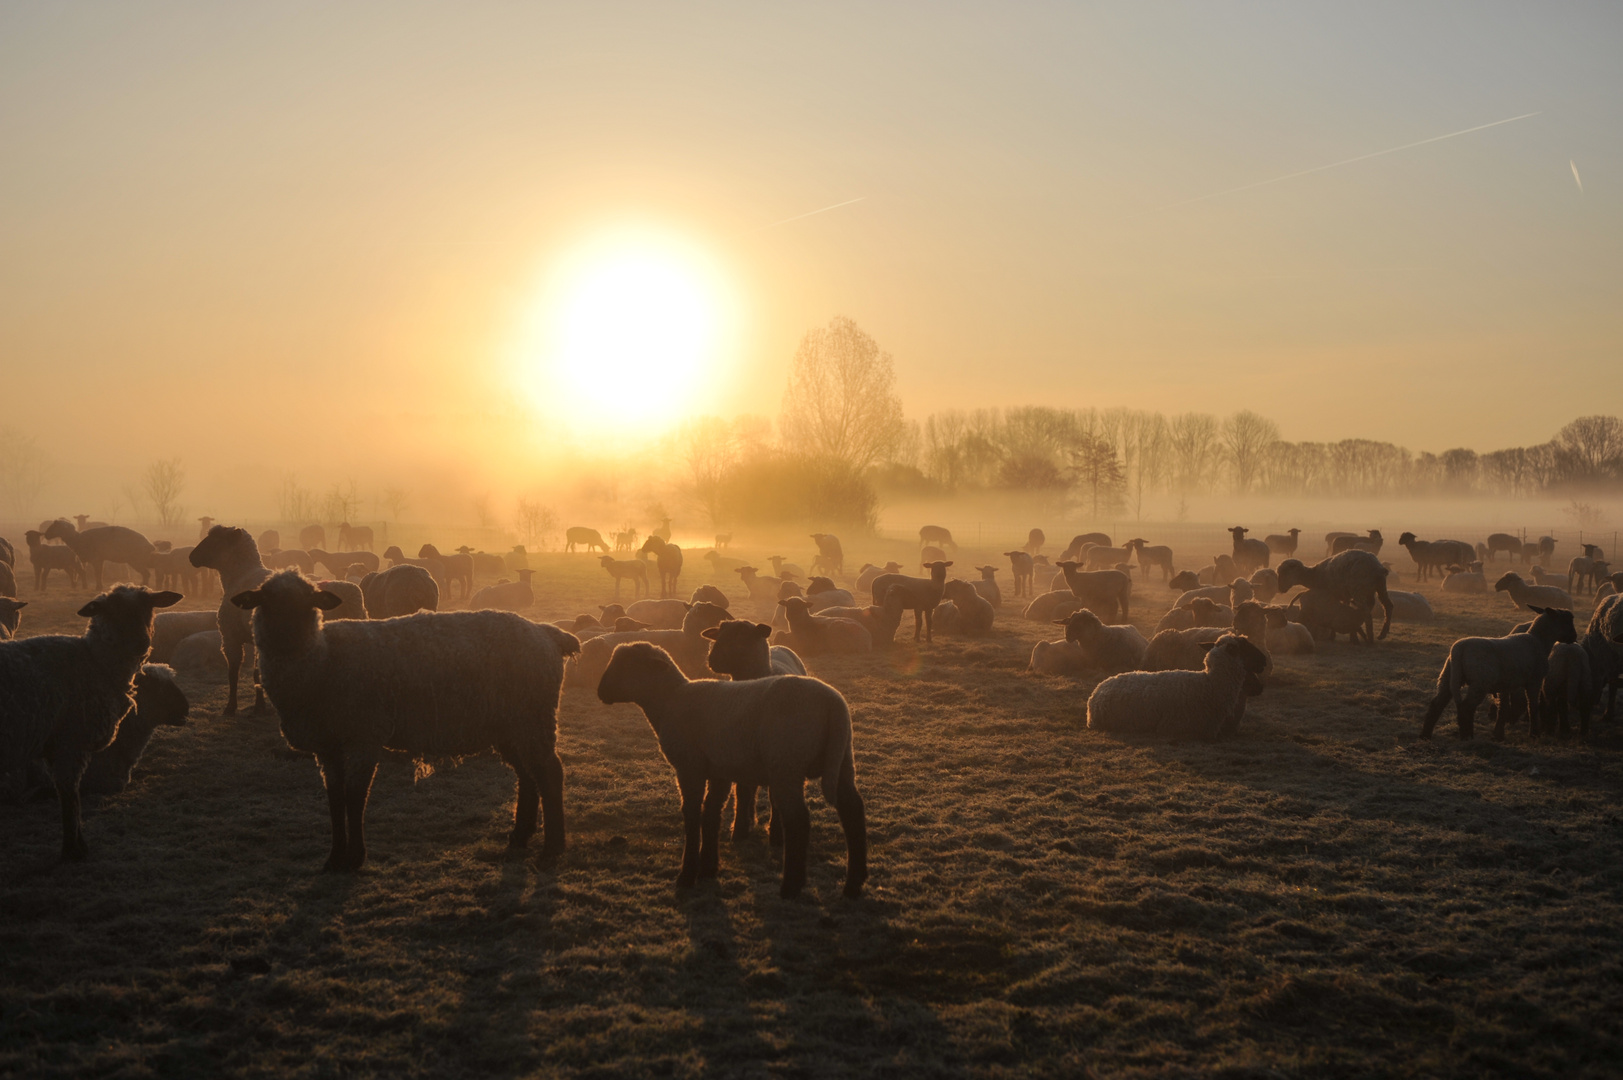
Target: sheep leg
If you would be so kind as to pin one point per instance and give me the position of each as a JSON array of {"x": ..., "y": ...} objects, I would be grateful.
[
  {"x": 929, "y": 625},
  {"x": 1435, "y": 709},
  {"x": 259, "y": 689},
  {"x": 233, "y": 661},
  {"x": 550, "y": 779},
  {"x": 692, "y": 811},
  {"x": 332, "y": 774},
  {"x": 65, "y": 775},
  {"x": 1465, "y": 712},
  {"x": 357, "y": 789},
  {"x": 791, "y": 805},
  {"x": 743, "y": 810},
  {"x": 854, "y": 820},
  {"x": 527, "y": 803},
  {"x": 710, "y": 830}
]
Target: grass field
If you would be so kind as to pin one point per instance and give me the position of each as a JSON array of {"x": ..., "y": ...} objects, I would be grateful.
[{"x": 1324, "y": 895}]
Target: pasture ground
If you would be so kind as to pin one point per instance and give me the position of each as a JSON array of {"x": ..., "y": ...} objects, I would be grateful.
[{"x": 1324, "y": 895}]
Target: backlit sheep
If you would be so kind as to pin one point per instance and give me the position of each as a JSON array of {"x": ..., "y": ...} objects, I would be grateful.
[
  {"x": 232, "y": 553},
  {"x": 1182, "y": 704},
  {"x": 1479, "y": 666},
  {"x": 1525, "y": 596}
]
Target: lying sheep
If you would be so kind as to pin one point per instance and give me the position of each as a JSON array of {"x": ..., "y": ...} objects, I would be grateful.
[
  {"x": 1182, "y": 704},
  {"x": 1264, "y": 585},
  {"x": 822, "y": 593},
  {"x": 61, "y": 697},
  {"x": 1611, "y": 586},
  {"x": 1202, "y": 611},
  {"x": 662, "y": 614},
  {"x": 987, "y": 586},
  {"x": 354, "y": 601},
  {"x": 817, "y": 635},
  {"x": 1221, "y": 570},
  {"x": 1107, "y": 593},
  {"x": 233, "y": 553},
  {"x": 1410, "y": 607},
  {"x": 170, "y": 628},
  {"x": 782, "y": 568},
  {"x": 201, "y": 656},
  {"x": 1183, "y": 581},
  {"x": 975, "y": 612},
  {"x": 762, "y": 591},
  {"x": 505, "y": 595},
  {"x": 1217, "y": 594},
  {"x": 1325, "y": 615},
  {"x": 709, "y": 594},
  {"x": 1460, "y": 580},
  {"x": 429, "y": 685},
  {"x": 1284, "y": 637},
  {"x": 919, "y": 595},
  {"x": 687, "y": 646},
  {"x": 1515, "y": 664},
  {"x": 1525, "y": 596},
  {"x": 1055, "y": 604},
  {"x": 1240, "y": 591},
  {"x": 870, "y": 571},
  {"x": 776, "y": 731},
  {"x": 399, "y": 590},
  {"x": 1057, "y": 658},
  {"x": 1542, "y": 576},
  {"x": 740, "y": 650},
  {"x": 158, "y": 703},
  {"x": 1112, "y": 648},
  {"x": 634, "y": 570},
  {"x": 1180, "y": 650},
  {"x": 880, "y": 620},
  {"x": 1354, "y": 576}
]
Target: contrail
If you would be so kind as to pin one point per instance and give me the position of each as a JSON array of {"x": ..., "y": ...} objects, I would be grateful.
[
  {"x": 1575, "y": 175},
  {"x": 1347, "y": 161},
  {"x": 809, "y": 213}
]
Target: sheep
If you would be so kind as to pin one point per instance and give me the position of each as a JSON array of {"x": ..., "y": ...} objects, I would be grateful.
[
  {"x": 1509, "y": 665},
  {"x": 1248, "y": 555},
  {"x": 1022, "y": 567},
  {"x": 1283, "y": 544},
  {"x": 710, "y": 595},
  {"x": 1180, "y": 650},
  {"x": 483, "y": 562},
  {"x": 880, "y": 620},
  {"x": 1182, "y": 704},
  {"x": 1410, "y": 607},
  {"x": 869, "y": 571},
  {"x": 938, "y": 536},
  {"x": 823, "y": 593},
  {"x": 610, "y": 612},
  {"x": 62, "y": 697},
  {"x": 1073, "y": 550},
  {"x": 1108, "y": 593},
  {"x": 1325, "y": 614},
  {"x": 1510, "y": 545},
  {"x": 1330, "y": 539},
  {"x": 1055, "y": 604},
  {"x": 818, "y": 635},
  {"x": 1035, "y": 539},
  {"x": 399, "y": 590},
  {"x": 1158, "y": 556},
  {"x": 337, "y": 562},
  {"x": 107, "y": 543},
  {"x": 170, "y": 628},
  {"x": 312, "y": 536},
  {"x": 354, "y": 600},
  {"x": 158, "y": 702},
  {"x": 577, "y": 534},
  {"x": 1581, "y": 571},
  {"x": 1610, "y": 587},
  {"x": 83, "y": 522},
  {"x": 1202, "y": 611},
  {"x": 761, "y": 590},
  {"x": 291, "y": 557},
  {"x": 171, "y": 568},
  {"x": 232, "y": 552},
  {"x": 1284, "y": 637},
  {"x": 1112, "y": 648},
  {"x": 1264, "y": 584},
  {"x": 1099, "y": 557},
  {"x": 579, "y": 624},
  {"x": 667, "y": 560},
  {"x": 723, "y": 540},
  {"x": 829, "y": 553},
  {"x": 432, "y": 684},
  {"x": 975, "y": 612},
  {"x": 663, "y": 531},
  {"x": 782, "y": 568},
  {"x": 457, "y": 569},
  {"x": 435, "y": 567},
  {"x": 1542, "y": 576},
  {"x": 661, "y": 614},
  {"x": 47, "y": 557},
  {"x": 929, "y": 555},
  {"x": 1349, "y": 542},
  {"x": 627, "y": 625},
  {"x": 1185, "y": 580},
  {"x": 946, "y": 617},
  {"x": 1459, "y": 580},
  {"x": 739, "y": 649},
  {"x": 1525, "y": 596},
  {"x": 987, "y": 586},
  {"x": 354, "y": 537},
  {"x": 270, "y": 540},
  {"x": 1240, "y": 590},
  {"x": 634, "y": 569},
  {"x": 8, "y": 581},
  {"x": 920, "y": 595},
  {"x": 686, "y": 645},
  {"x": 1567, "y": 688},
  {"x": 720, "y": 564},
  {"x": 200, "y": 656},
  {"x": 1355, "y": 576},
  {"x": 517, "y": 559},
  {"x": 1216, "y": 593},
  {"x": 1057, "y": 658},
  {"x": 1544, "y": 550},
  {"x": 10, "y": 616},
  {"x": 1221, "y": 570},
  {"x": 776, "y": 731}
]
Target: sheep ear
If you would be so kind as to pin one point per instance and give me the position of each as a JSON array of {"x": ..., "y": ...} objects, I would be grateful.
[
  {"x": 164, "y": 599},
  {"x": 763, "y": 629},
  {"x": 326, "y": 601},
  {"x": 247, "y": 600},
  {"x": 90, "y": 609},
  {"x": 1537, "y": 610},
  {"x": 1207, "y": 646},
  {"x": 709, "y": 632}
]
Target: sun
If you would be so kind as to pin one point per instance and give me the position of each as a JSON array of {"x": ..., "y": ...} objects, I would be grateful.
[{"x": 631, "y": 327}]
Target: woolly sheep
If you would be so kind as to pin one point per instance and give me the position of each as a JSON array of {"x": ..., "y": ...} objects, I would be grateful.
[
  {"x": 1542, "y": 576},
  {"x": 1515, "y": 664},
  {"x": 710, "y": 595},
  {"x": 200, "y": 656},
  {"x": 312, "y": 536},
  {"x": 1221, "y": 570},
  {"x": 1283, "y": 544},
  {"x": 870, "y": 571},
  {"x": 577, "y": 534},
  {"x": 1099, "y": 557},
  {"x": 45, "y": 557},
  {"x": 1073, "y": 550},
  {"x": 1286, "y": 638},
  {"x": 1567, "y": 689},
  {"x": 1355, "y": 576},
  {"x": 880, "y": 620},
  {"x": 1611, "y": 586},
  {"x": 429, "y": 685},
  {"x": 660, "y": 614},
  {"x": 823, "y": 593},
  {"x": 291, "y": 558},
  {"x": 1021, "y": 566},
  {"x": 975, "y": 612},
  {"x": 355, "y": 537},
  {"x": 1325, "y": 614},
  {"x": 457, "y": 569},
  {"x": 830, "y": 555},
  {"x": 434, "y": 566},
  {"x": 1525, "y": 596},
  {"x": 937, "y": 535},
  {"x": 1350, "y": 542},
  {"x": 1180, "y": 650},
  {"x": 108, "y": 543},
  {"x": 1157, "y": 555},
  {"x": 720, "y": 564},
  {"x": 929, "y": 555},
  {"x": 400, "y": 590},
  {"x": 1182, "y": 704},
  {"x": 687, "y": 645},
  {"x": 782, "y": 568},
  {"x": 505, "y": 595},
  {"x": 1108, "y": 593},
  {"x": 1264, "y": 584},
  {"x": 232, "y": 553},
  {"x": 1057, "y": 658},
  {"x": 817, "y": 635},
  {"x": 919, "y": 595},
  {"x": 622, "y": 569},
  {"x": 1410, "y": 607},
  {"x": 739, "y": 650},
  {"x": 62, "y": 697},
  {"x": 776, "y": 731},
  {"x": 170, "y": 628},
  {"x": 1510, "y": 545},
  {"x": 1055, "y": 604},
  {"x": 1202, "y": 611},
  {"x": 668, "y": 561},
  {"x": 987, "y": 586},
  {"x": 761, "y": 590},
  {"x": 1112, "y": 648},
  {"x": 1465, "y": 581},
  {"x": 158, "y": 703},
  {"x": 1585, "y": 570},
  {"x": 1184, "y": 581},
  {"x": 354, "y": 601},
  {"x": 483, "y": 562},
  {"x": 1248, "y": 555}
]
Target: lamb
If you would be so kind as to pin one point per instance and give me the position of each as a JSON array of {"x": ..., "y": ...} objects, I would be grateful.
[
  {"x": 232, "y": 552},
  {"x": 1073, "y": 550},
  {"x": 200, "y": 656},
  {"x": 1264, "y": 584},
  {"x": 1185, "y": 580},
  {"x": 1284, "y": 637},
  {"x": 430, "y": 685},
  {"x": 1107, "y": 593},
  {"x": 739, "y": 649},
  {"x": 1055, "y": 604},
  {"x": 1510, "y": 545},
  {"x": 880, "y": 620},
  {"x": 400, "y": 590},
  {"x": 687, "y": 646},
  {"x": 1567, "y": 689},
  {"x": 662, "y": 614},
  {"x": 1035, "y": 539},
  {"x": 822, "y": 593},
  {"x": 458, "y": 568},
  {"x": 1113, "y": 648},
  {"x": 761, "y": 590},
  {"x": 1283, "y": 544},
  {"x": 1325, "y": 614},
  {"x": 1221, "y": 570},
  {"x": 829, "y": 553},
  {"x": 1465, "y": 581},
  {"x": 1022, "y": 567},
  {"x": 337, "y": 562},
  {"x": 1525, "y": 596},
  {"x": 1581, "y": 571},
  {"x": 1098, "y": 557},
  {"x": 62, "y": 697},
  {"x": 987, "y": 586},
  {"x": 782, "y": 568},
  {"x": 634, "y": 569},
  {"x": 1410, "y": 607},
  {"x": 435, "y": 567},
  {"x": 920, "y": 595},
  {"x": 1355, "y": 576},
  {"x": 170, "y": 628},
  {"x": 312, "y": 536},
  {"x": 1202, "y": 611},
  {"x": 1158, "y": 556},
  {"x": 869, "y": 571},
  {"x": 11, "y": 616},
  {"x": 577, "y": 534},
  {"x": 1509, "y": 665},
  {"x": 1057, "y": 658},
  {"x": 937, "y": 535},
  {"x": 1248, "y": 555},
  {"x": 1182, "y": 704},
  {"x": 47, "y": 557},
  {"x": 158, "y": 703},
  {"x": 354, "y": 537},
  {"x": 818, "y": 635},
  {"x": 107, "y": 543},
  {"x": 775, "y": 731},
  {"x": 975, "y": 612},
  {"x": 1542, "y": 576}
]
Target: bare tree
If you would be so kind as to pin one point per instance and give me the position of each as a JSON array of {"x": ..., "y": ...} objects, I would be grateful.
[
  {"x": 23, "y": 469},
  {"x": 395, "y": 500},
  {"x": 708, "y": 448},
  {"x": 1591, "y": 448},
  {"x": 1096, "y": 467},
  {"x": 294, "y": 502},
  {"x": 342, "y": 502},
  {"x": 1193, "y": 439},
  {"x": 534, "y": 522},
  {"x": 841, "y": 404},
  {"x": 482, "y": 511},
  {"x": 1246, "y": 438},
  {"x": 163, "y": 483}
]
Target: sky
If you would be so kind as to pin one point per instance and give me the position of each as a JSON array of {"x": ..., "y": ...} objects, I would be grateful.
[{"x": 320, "y": 237}]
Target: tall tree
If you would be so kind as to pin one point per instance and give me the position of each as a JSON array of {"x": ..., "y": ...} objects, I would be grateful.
[
  {"x": 841, "y": 404},
  {"x": 1591, "y": 448},
  {"x": 1246, "y": 438},
  {"x": 163, "y": 484},
  {"x": 23, "y": 468}
]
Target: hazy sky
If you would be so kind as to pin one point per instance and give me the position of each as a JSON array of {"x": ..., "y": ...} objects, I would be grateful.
[{"x": 290, "y": 224}]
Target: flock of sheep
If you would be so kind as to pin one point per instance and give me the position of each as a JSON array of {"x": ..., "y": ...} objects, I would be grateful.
[{"x": 364, "y": 662}]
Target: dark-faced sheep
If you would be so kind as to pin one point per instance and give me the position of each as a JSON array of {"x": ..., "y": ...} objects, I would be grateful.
[
  {"x": 1283, "y": 544},
  {"x": 817, "y": 635},
  {"x": 1526, "y": 596},
  {"x": 1184, "y": 581},
  {"x": 987, "y": 586},
  {"x": 1112, "y": 648},
  {"x": 830, "y": 555},
  {"x": 1073, "y": 550},
  {"x": 1510, "y": 545},
  {"x": 1158, "y": 556},
  {"x": 232, "y": 553},
  {"x": 11, "y": 610},
  {"x": 1021, "y": 566},
  {"x": 354, "y": 537},
  {"x": 938, "y": 536},
  {"x": 458, "y": 569},
  {"x": 1107, "y": 593},
  {"x": 633, "y": 570},
  {"x": 740, "y": 651},
  {"x": 1355, "y": 576},
  {"x": 776, "y": 732},
  {"x": 158, "y": 703},
  {"x": 435, "y": 684},
  {"x": 47, "y": 557},
  {"x": 919, "y": 595},
  {"x": 1478, "y": 666},
  {"x": 1035, "y": 539},
  {"x": 1248, "y": 555},
  {"x": 1182, "y": 704}
]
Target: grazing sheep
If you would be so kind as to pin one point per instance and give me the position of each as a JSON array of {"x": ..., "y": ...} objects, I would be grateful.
[
  {"x": 1355, "y": 576},
  {"x": 1022, "y": 567},
  {"x": 1525, "y": 596},
  {"x": 919, "y": 595},
  {"x": 1582, "y": 571},
  {"x": 1182, "y": 704},
  {"x": 1283, "y": 544},
  {"x": 435, "y": 684},
  {"x": 937, "y": 535},
  {"x": 354, "y": 537},
  {"x": 10, "y": 616},
  {"x": 62, "y": 697},
  {"x": 457, "y": 569},
  {"x": 1035, "y": 539},
  {"x": 158, "y": 702},
  {"x": 1051, "y": 605},
  {"x": 1078, "y": 543},
  {"x": 1567, "y": 689},
  {"x": 662, "y": 614},
  {"x": 1112, "y": 648},
  {"x": 1324, "y": 613},
  {"x": 1410, "y": 607},
  {"x": 1108, "y": 593},
  {"x": 619, "y": 569},
  {"x": 1248, "y": 555},
  {"x": 987, "y": 586},
  {"x": 1158, "y": 556},
  {"x": 1185, "y": 580},
  {"x": 577, "y": 534},
  {"x": 337, "y": 562},
  {"x": 1510, "y": 545},
  {"x": 818, "y": 635},
  {"x": 1509, "y": 665},
  {"x": 201, "y": 656},
  {"x": 170, "y": 628},
  {"x": 1222, "y": 570},
  {"x": 1459, "y": 580},
  {"x": 1284, "y": 637},
  {"x": 776, "y": 731},
  {"x": 975, "y": 612},
  {"x": 47, "y": 557},
  {"x": 686, "y": 645},
  {"x": 104, "y": 544},
  {"x": 312, "y": 536},
  {"x": 869, "y": 571},
  {"x": 232, "y": 553},
  {"x": 399, "y": 590},
  {"x": 1057, "y": 658},
  {"x": 829, "y": 553}
]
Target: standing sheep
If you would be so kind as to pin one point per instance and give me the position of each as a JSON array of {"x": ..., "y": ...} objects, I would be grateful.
[
  {"x": 668, "y": 560},
  {"x": 633, "y": 569},
  {"x": 830, "y": 555},
  {"x": 107, "y": 543},
  {"x": 1283, "y": 544},
  {"x": 158, "y": 703},
  {"x": 1354, "y": 576},
  {"x": 818, "y": 635},
  {"x": 47, "y": 557},
  {"x": 435, "y": 684},
  {"x": 920, "y": 595},
  {"x": 1023, "y": 568},
  {"x": 233, "y": 553},
  {"x": 975, "y": 612},
  {"x": 313, "y": 536},
  {"x": 458, "y": 569},
  {"x": 1525, "y": 596},
  {"x": 1509, "y": 665},
  {"x": 1107, "y": 593},
  {"x": 354, "y": 537},
  {"x": 1035, "y": 540},
  {"x": 578, "y": 534},
  {"x": 1248, "y": 555},
  {"x": 1182, "y": 704},
  {"x": 1157, "y": 555},
  {"x": 1073, "y": 550},
  {"x": 1510, "y": 545},
  {"x": 777, "y": 731},
  {"x": 987, "y": 586},
  {"x": 937, "y": 535}
]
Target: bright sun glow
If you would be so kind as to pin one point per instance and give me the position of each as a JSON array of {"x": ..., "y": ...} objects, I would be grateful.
[{"x": 633, "y": 329}]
